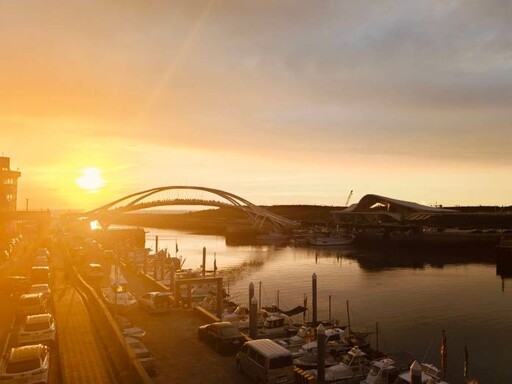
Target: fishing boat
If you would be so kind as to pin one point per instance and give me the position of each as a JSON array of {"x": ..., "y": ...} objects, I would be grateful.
[
  {"x": 294, "y": 343},
  {"x": 430, "y": 374},
  {"x": 120, "y": 301},
  {"x": 386, "y": 369},
  {"x": 332, "y": 239},
  {"x": 335, "y": 344},
  {"x": 353, "y": 365},
  {"x": 116, "y": 294},
  {"x": 276, "y": 324}
]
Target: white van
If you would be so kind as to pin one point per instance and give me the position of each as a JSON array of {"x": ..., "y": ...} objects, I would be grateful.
[{"x": 265, "y": 361}]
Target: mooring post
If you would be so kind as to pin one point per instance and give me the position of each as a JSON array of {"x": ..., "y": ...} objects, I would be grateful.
[
  {"x": 204, "y": 261},
  {"x": 330, "y": 317},
  {"x": 305, "y": 306},
  {"x": 444, "y": 355},
  {"x": 415, "y": 372},
  {"x": 155, "y": 267},
  {"x": 259, "y": 295},
  {"x": 320, "y": 331},
  {"x": 377, "y": 336},
  {"x": 314, "y": 299},
  {"x": 253, "y": 318},
  {"x": 251, "y": 292},
  {"x": 219, "y": 298}
]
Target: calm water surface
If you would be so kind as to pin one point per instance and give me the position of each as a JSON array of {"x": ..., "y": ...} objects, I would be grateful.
[{"x": 413, "y": 296}]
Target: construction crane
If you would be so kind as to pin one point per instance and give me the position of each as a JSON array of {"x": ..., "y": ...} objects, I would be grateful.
[{"x": 348, "y": 198}]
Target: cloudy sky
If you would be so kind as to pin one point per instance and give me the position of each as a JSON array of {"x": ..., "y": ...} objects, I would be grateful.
[{"x": 280, "y": 102}]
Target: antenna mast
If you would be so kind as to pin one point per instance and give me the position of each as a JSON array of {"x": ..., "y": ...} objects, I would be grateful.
[{"x": 348, "y": 198}]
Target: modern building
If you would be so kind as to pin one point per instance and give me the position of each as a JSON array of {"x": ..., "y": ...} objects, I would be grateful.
[
  {"x": 384, "y": 221},
  {"x": 8, "y": 186}
]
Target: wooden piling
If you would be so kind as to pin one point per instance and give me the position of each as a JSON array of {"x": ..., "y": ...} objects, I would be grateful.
[
  {"x": 314, "y": 298},
  {"x": 204, "y": 261}
]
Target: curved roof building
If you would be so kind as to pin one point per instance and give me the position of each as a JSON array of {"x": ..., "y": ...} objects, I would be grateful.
[{"x": 381, "y": 209}]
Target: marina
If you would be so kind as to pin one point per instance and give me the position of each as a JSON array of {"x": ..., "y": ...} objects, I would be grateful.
[{"x": 406, "y": 293}]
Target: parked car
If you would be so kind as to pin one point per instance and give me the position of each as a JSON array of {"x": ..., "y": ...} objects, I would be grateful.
[
  {"x": 94, "y": 271},
  {"x": 40, "y": 261},
  {"x": 31, "y": 304},
  {"x": 109, "y": 254},
  {"x": 222, "y": 335},
  {"x": 155, "y": 302},
  {"x": 13, "y": 286},
  {"x": 40, "y": 275},
  {"x": 43, "y": 252},
  {"x": 29, "y": 364},
  {"x": 143, "y": 354},
  {"x": 265, "y": 361},
  {"x": 44, "y": 289},
  {"x": 37, "y": 329}
]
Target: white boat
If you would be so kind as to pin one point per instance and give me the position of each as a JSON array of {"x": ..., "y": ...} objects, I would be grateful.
[
  {"x": 198, "y": 291},
  {"x": 332, "y": 239},
  {"x": 387, "y": 371},
  {"x": 295, "y": 342},
  {"x": 239, "y": 317},
  {"x": 121, "y": 301},
  {"x": 354, "y": 365},
  {"x": 335, "y": 345}
]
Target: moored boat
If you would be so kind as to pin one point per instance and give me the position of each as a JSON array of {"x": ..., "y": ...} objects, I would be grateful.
[
  {"x": 332, "y": 239},
  {"x": 353, "y": 365}
]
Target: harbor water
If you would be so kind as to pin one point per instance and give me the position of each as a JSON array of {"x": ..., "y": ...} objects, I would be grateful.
[{"x": 413, "y": 295}]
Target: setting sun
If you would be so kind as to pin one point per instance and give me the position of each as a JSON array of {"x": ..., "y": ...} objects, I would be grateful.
[{"x": 90, "y": 180}]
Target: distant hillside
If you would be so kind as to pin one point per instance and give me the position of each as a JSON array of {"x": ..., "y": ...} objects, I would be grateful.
[{"x": 216, "y": 220}]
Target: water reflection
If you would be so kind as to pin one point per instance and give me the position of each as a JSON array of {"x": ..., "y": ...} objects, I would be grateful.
[
  {"x": 412, "y": 293},
  {"x": 381, "y": 260}
]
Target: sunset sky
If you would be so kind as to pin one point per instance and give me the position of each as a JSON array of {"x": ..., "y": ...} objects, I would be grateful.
[{"x": 280, "y": 102}]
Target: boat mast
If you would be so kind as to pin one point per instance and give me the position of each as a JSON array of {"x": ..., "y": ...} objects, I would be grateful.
[
  {"x": 348, "y": 317},
  {"x": 377, "y": 336}
]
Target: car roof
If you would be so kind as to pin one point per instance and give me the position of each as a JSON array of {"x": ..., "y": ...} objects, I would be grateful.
[
  {"x": 269, "y": 348},
  {"x": 28, "y": 352},
  {"x": 16, "y": 278},
  {"x": 30, "y": 295},
  {"x": 41, "y": 318},
  {"x": 41, "y": 267},
  {"x": 42, "y": 285}
]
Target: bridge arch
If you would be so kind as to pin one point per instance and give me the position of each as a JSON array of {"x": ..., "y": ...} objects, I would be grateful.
[{"x": 145, "y": 199}]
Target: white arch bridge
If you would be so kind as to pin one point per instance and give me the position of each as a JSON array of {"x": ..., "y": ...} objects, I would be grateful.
[{"x": 149, "y": 199}]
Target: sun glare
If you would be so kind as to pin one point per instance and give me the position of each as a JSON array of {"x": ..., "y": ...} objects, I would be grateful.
[{"x": 90, "y": 180}]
